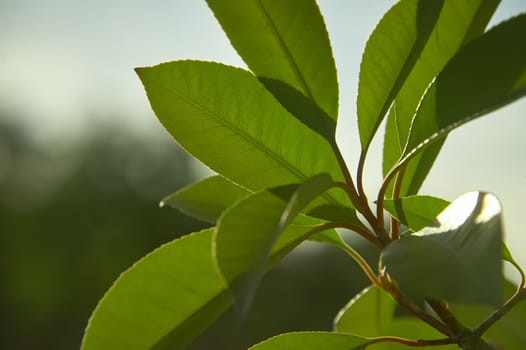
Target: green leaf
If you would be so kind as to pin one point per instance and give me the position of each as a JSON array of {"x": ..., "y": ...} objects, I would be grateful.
[
  {"x": 470, "y": 86},
  {"x": 313, "y": 341},
  {"x": 207, "y": 199},
  {"x": 390, "y": 54},
  {"x": 368, "y": 314},
  {"x": 459, "y": 260},
  {"x": 415, "y": 212},
  {"x": 248, "y": 231},
  {"x": 159, "y": 303},
  {"x": 508, "y": 332},
  {"x": 286, "y": 45},
  {"x": 205, "y": 104},
  {"x": 459, "y": 22}
]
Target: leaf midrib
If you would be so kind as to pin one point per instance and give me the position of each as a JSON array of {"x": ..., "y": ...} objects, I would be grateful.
[
  {"x": 288, "y": 55},
  {"x": 280, "y": 160}
]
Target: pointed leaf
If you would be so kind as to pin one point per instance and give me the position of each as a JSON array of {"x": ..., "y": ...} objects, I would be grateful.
[
  {"x": 160, "y": 304},
  {"x": 205, "y": 104},
  {"x": 159, "y": 300},
  {"x": 368, "y": 314},
  {"x": 207, "y": 199},
  {"x": 390, "y": 54},
  {"x": 460, "y": 260},
  {"x": 415, "y": 212},
  {"x": 459, "y": 22},
  {"x": 470, "y": 86},
  {"x": 286, "y": 45},
  {"x": 313, "y": 341},
  {"x": 248, "y": 231}
]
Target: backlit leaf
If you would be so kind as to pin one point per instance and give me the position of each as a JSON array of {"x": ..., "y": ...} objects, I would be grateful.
[
  {"x": 205, "y": 104},
  {"x": 458, "y": 23},
  {"x": 458, "y": 260},
  {"x": 285, "y": 44},
  {"x": 313, "y": 341},
  {"x": 470, "y": 85},
  {"x": 415, "y": 212},
  {"x": 159, "y": 303},
  {"x": 390, "y": 54},
  {"x": 368, "y": 314},
  {"x": 207, "y": 199},
  {"x": 248, "y": 231}
]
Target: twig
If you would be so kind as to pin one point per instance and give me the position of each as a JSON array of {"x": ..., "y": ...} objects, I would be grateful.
[
  {"x": 362, "y": 263},
  {"x": 497, "y": 315},
  {"x": 395, "y": 233},
  {"x": 391, "y": 288},
  {"x": 414, "y": 342},
  {"x": 447, "y": 317},
  {"x": 360, "y": 203}
]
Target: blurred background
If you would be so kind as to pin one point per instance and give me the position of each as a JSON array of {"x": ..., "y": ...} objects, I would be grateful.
[{"x": 84, "y": 163}]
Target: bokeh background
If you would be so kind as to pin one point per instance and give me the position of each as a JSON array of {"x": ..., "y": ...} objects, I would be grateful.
[{"x": 84, "y": 163}]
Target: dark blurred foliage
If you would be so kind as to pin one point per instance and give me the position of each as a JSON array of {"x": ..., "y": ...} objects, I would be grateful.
[{"x": 74, "y": 216}]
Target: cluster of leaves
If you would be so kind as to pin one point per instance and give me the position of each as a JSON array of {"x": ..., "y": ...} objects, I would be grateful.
[{"x": 428, "y": 67}]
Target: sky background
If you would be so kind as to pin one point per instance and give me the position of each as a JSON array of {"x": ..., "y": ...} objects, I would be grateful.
[{"x": 67, "y": 67}]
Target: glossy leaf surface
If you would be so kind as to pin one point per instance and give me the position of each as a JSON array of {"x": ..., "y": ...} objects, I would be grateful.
[
  {"x": 470, "y": 85},
  {"x": 207, "y": 199},
  {"x": 286, "y": 45},
  {"x": 459, "y": 22},
  {"x": 247, "y": 232},
  {"x": 205, "y": 104},
  {"x": 313, "y": 341},
  {"x": 459, "y": 260},
  {"x": 390, "y": 54},
  {"x": 415, "y": 212}
]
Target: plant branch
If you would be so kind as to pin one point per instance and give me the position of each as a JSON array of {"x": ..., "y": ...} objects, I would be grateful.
[
  {"x": 521, "y": 271},
  {"x": 362, "y": 263},
  {"x": 395, "y": 229},
  {"x": 381, "y": 195},
  {"x": 361, "y": 231},
  {"x": 519, "y": 295},
  {"x": 360, "y": 203},
  {"x": 414, "y": 342},
  {"x": 447, "y": 317},
  {"x": 359, "y": 173},
  {"x": 389, "y": 286}
]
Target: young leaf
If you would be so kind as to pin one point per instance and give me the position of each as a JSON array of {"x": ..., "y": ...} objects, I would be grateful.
[
  {"x": 159, "y": 301},
  {"x": 459, "y": 22},
  {"x": 368, "y": 314},
  {"x": 415, "y": 212},
  {"x": 470, "y": 86},
  {"x": 390, "y": 54},
  {"x": 313, "y": 341},
  {"x": 459, "y": 260},
  {"x": 286, "y": 45},
  {"x": 205, "y": 104},
  {"x": 207, "y": 199},
  {"x": 248, "y": 231}
]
